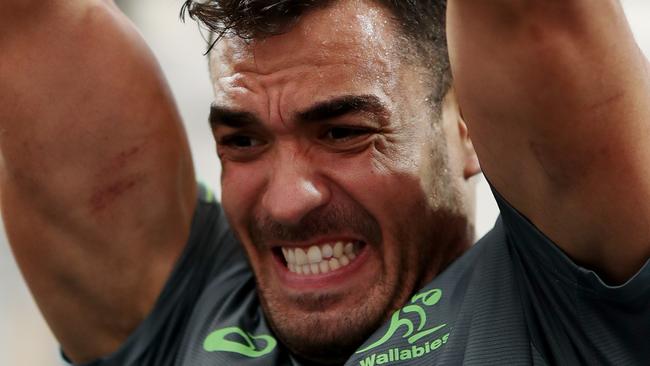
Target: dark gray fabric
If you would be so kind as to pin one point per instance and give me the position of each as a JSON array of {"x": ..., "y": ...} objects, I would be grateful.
[{"x": 516, "y": 299}]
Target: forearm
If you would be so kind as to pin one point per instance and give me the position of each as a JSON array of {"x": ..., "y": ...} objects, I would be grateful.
[{"x": 554, "y": 93}]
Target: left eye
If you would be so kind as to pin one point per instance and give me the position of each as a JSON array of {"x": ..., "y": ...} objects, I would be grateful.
[{"x": 345, "y": 133}]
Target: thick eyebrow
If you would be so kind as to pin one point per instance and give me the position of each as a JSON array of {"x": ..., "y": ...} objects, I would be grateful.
[
  {"x": 348, "y": 104},
  {"x": 329, "y": 109},
  {"x": 220, "y": 115}
]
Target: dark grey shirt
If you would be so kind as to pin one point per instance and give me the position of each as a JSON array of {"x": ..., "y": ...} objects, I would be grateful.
[{"x": 513, "y": 299}]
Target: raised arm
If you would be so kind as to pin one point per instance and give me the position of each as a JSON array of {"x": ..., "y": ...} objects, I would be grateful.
[
  {"x": 555, "y": 93},
  {"x": 96, "y": 180}
]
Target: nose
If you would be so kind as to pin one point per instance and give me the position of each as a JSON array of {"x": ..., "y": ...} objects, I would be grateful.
[{"x": 294, "y": 190}]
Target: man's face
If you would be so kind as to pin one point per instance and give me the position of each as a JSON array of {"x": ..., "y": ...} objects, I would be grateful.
[{"x": 346, "y": 190}]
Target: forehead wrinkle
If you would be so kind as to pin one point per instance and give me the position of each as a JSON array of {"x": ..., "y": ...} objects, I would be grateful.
[
  {"x": 325, "y": 56},
  {"x": 226, "y": 62},
  {"x": 249, "y": 81},
  {"x": 281, "y": 105},
  {"x": 230, "y": 90}
]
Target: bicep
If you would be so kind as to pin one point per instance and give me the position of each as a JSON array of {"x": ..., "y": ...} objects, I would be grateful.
[
  {"x": 97, "y": 182},
  {"x": 554, "y": 94}
]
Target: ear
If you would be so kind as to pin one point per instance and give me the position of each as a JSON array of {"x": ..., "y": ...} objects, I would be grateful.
[{"x": 471, "y": 165}]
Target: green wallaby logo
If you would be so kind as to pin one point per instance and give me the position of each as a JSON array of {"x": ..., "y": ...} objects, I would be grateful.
[
  {"x": 412, "y": 333},
  {"x": 235, "y": 340}
]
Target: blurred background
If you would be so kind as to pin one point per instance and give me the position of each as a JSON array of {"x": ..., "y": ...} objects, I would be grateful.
[{"x": 25, "y": 339}]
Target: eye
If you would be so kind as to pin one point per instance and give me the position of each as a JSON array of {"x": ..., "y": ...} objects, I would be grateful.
[
  {"x": 240, "y": 141},
  {"x": 338, "y": 133},
  {"x": 240, "y": 146},
  {"x": 346, "y": 138}
]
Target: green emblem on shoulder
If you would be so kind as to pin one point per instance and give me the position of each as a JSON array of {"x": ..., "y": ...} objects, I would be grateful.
[{"x": 235, "y": 340}]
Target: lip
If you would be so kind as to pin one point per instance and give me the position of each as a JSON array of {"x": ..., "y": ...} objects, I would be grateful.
[{"x": 330, "y": 280}]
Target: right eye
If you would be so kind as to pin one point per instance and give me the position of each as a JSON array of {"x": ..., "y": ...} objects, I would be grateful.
[
  {"x": 239, "y": 146},
  {"x": 239, "y": 141}
]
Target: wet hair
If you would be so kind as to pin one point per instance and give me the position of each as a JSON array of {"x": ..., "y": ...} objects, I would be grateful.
[{"x": 421, "y": 21}]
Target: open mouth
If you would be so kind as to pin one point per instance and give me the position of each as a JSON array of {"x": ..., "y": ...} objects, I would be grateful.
[{"x": 319, "y": 259}]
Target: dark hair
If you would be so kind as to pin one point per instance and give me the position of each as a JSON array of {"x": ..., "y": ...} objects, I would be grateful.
[{"x": 422, "y": 21}]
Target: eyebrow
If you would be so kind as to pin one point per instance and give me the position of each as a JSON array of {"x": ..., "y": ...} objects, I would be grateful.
[
  {"x": 330, "y": 109},
  {"x": 232, "y": 118},
  {"x": 340, "y": 106}
]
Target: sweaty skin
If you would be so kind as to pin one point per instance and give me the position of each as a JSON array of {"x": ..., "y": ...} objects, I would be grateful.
[{"x": 391, "y": 178}]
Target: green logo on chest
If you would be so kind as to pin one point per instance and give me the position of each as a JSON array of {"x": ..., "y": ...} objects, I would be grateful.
[{"x": 235, "y": 340}]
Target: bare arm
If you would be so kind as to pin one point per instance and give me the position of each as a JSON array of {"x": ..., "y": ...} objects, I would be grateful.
[
  {"x": 96, "y": 181},
  {"x": 555, "y": 93}
]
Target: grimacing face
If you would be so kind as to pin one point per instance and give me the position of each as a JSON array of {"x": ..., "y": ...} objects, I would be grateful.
[{"x": 346, "y": 190}]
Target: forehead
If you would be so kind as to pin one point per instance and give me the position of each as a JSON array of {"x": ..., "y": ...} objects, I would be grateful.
[{"x": 349, "y": 45}]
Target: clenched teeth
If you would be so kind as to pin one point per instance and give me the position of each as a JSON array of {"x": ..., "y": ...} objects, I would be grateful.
[{"x": 319, "y": 259}]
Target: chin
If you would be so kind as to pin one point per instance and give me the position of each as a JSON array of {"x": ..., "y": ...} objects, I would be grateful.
[{"x": 323, "y": 329}]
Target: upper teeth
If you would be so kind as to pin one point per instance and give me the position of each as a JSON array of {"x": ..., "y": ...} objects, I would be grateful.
[{"x": 319, "y": 259}]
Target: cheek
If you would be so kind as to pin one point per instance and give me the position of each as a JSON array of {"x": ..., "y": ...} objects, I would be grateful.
[
  {"x": 385, "y": 170},
  {"x": 394, "y": 190},
  {"x": 385, "y": 182},
  {"x": 241, "y": 186}
]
